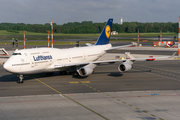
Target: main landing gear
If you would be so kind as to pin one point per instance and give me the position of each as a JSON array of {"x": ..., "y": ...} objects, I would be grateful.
[{"x": 21, "y": 79}]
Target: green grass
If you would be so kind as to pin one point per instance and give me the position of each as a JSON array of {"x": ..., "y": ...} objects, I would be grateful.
[
  {"x": 69, "y": 42},
  {"x": 4, "y": 35},
  {"x": 144, "y": 34},
  {"x": 133, "y": 40},
  {"x": 21, "y": 33},
  {"x": 43, "y": 43}
]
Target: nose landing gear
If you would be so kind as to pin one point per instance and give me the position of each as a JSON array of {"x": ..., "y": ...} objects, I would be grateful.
[{"x": 21, "y": 79}]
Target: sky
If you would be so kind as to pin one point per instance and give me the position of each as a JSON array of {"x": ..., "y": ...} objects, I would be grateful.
[{"x": 64, "y": 11}]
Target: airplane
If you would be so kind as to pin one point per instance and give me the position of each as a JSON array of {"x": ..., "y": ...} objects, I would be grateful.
[{"x": 79, "y": 60}]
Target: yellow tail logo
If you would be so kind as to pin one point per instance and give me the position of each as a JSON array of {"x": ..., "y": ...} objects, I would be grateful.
[{"x": 108, "y": 31}]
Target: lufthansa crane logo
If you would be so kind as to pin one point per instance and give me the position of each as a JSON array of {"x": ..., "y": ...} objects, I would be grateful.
[{"x": 108, "y": 31}]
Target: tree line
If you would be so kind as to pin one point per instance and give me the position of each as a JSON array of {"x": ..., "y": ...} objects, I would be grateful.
[{"x": 90, "y": 27}]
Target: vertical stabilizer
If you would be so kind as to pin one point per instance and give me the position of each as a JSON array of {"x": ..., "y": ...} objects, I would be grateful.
[{"x": 105, "y": 34}]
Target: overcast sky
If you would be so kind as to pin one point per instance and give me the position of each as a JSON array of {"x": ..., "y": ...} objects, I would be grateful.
[{"x": 63, "y": 11}]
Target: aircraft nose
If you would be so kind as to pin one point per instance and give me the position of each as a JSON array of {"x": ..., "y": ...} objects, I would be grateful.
[{"x": 6, "y": 66}]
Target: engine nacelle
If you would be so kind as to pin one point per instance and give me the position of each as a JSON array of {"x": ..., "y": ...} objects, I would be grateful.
[
  {"x": 124, "y": 67},
  {"x": 85, "y": 71}
]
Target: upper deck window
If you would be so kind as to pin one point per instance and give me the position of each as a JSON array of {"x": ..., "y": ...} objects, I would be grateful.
[{"x": 16, "y": 54}]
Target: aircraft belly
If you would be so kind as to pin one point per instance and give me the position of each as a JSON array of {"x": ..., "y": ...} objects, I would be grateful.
[
  {"x": 38, "y": 68},
  {"x": 51, "y": 70},
  {"x": 35, "y": 71}
]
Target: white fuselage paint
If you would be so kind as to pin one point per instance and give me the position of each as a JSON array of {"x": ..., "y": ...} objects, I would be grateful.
[{"x": 38, "y": 60}]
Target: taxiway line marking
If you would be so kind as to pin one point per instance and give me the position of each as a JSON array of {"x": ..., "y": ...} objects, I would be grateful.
[
  {"x": 157, "y": 72},
  {"x": 73, "y": 82},
  {"x": 71, "y": 99},
  {"x": 147, "y": 67},
  {"x": 85, "y": 82}
]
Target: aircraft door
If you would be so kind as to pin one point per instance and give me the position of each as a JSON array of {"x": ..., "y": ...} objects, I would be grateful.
[
  {"x": 25, "y": 62},
  {"x": 70, "y": 58},
  {"x": 32, "y": 64},
  {"x": 50, "y": 62},
  {"x": 84, "y": 56}
]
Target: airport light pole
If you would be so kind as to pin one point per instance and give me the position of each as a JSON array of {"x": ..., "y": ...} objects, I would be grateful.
[
  {"x": 24, "y": 39},
  {"x": 52, "y": 33},
  {"x": 138, "y": 37},
  {"x": 48, "y": 39},
  {"x": 161, "y": 34},
  {"x": 179, "y": 40}
]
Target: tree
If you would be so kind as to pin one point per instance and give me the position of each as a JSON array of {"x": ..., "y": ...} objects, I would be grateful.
[{"x": 132, "y": 28}]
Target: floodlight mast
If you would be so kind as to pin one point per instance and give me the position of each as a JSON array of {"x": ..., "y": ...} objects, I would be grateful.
[
  {"x": 179, "y": 40},
  {"x": 161, "y": 34},
  {"x": 48, "y": 39},
  {"x": 24, "y": 39},
  {"x": 138, "y": 37},
  {"x": 52, "y": 33}
]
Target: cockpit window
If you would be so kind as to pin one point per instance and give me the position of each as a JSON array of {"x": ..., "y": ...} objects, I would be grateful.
[{"x": 16, "y": 54}]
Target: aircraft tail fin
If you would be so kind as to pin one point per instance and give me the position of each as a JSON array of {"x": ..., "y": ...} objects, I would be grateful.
[{"x": 105, "y": 34}]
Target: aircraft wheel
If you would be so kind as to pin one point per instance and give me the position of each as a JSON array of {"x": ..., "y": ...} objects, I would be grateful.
[
  {"x": 21, "y": 79},
  {"x": 75, "y": 74}
]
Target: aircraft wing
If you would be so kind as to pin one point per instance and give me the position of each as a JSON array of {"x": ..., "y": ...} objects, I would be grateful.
[
  {"x": 109, "y": 61},
  {"x": 112, "y": 48},
  {"x": 89, "y": 44},
  {"x": 71, "y": 65},
  {"x": 133, "y": 59}
]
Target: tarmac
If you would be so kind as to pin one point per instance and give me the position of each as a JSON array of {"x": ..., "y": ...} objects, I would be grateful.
[{"x": 135, "y": 105}]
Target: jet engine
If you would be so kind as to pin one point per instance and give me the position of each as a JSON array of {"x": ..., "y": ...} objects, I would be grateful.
[
  {"x": 124, "y": 67},
  {"x": 85, "y": 71}
]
